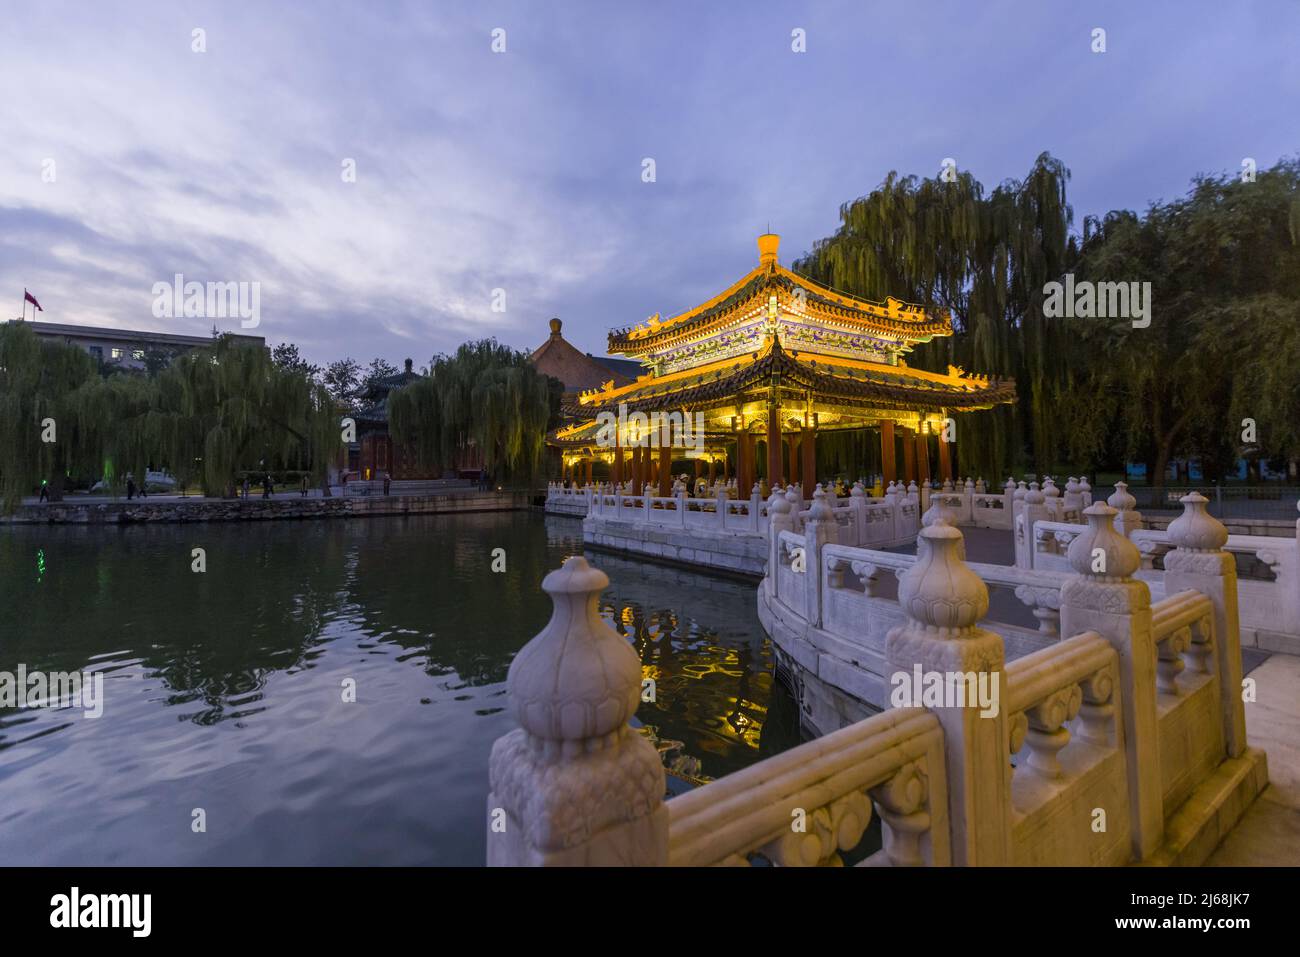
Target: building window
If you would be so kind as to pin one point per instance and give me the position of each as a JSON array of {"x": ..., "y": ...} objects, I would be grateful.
[
  {"x": 97, "y": 352},
  {"x": 118, "y": 353},
  {"x": 137, "y": 355}
]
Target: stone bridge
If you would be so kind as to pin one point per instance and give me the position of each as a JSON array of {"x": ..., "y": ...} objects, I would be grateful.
[{"x": 1116, "y": 736}]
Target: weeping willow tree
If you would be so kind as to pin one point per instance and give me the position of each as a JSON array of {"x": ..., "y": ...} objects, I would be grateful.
[
  {"x": 49, "y": 413},
  {"x": 984, "y": 259},
  {"x": 209, "y": 413},
  {"x": 230, "y": 406},
  {"x": 484, "y": 394}
]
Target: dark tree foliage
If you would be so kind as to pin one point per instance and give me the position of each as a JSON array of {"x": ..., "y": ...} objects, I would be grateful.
[
  {"x": 1222, "y": 345},
  {"x": 206, "y": 415},
  {"x": 486, "y": 394}
]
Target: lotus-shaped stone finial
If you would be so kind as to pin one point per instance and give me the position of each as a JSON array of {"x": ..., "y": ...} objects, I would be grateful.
[{"x": 1101, "y": 552}]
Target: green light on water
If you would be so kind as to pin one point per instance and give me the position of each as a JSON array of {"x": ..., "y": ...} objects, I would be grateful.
[{"x": 40, "y": 565}]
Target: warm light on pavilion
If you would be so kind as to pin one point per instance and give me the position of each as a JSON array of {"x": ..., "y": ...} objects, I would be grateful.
[{"x": 778, "y": 355}]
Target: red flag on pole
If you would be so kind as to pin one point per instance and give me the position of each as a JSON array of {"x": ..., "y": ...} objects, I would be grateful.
[{"x": 28, "y": 297}]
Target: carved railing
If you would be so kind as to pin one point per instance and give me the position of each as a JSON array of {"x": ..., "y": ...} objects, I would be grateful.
[
  {"x": 568, "y": 501},
  {"x": 807, "y": 805},
  {"x": 1189, "y": 702},
  {"x": 1182, "y": 626},
  {"x": 681, "y": 510},
  {"x": 1048, "y": 689},
  {"x": 851, "y": 581},
  {"x": 860, "y": 519},
  {"x": 1063, "y": 724},
  {"x": 882, "y": 521},
  {"x": 1084, "y": 750},
  {"x": 1268, "y": 568}
]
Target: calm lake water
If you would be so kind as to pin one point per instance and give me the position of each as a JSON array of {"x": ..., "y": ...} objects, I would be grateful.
[{"x": 223, "y": 690}]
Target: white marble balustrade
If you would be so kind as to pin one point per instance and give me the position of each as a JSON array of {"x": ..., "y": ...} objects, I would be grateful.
[{"x": 1123, "y": 742}]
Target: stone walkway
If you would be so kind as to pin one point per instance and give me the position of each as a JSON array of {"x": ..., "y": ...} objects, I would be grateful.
[{"x": 1269, "y": 834}]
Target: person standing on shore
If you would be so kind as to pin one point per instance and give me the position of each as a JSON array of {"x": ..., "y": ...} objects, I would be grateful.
[
  {"x": 387, "y": 482},
  {"x": 45, "y": 491},
  {"x": 266, "y": 485},
  {"x": 302, "y": 488},
  {"x": 130, "y": 488},
  {"x": 245, "y": 487}
]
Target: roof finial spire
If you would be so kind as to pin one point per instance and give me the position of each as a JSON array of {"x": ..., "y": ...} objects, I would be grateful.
[{"x": 768, "y": 244}]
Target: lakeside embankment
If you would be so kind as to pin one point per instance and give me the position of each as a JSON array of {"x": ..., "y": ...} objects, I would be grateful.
[{"x": 250, "y": 510}]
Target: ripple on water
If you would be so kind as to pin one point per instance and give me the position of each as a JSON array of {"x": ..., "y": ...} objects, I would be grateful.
[{"x": 225, "y": 691}]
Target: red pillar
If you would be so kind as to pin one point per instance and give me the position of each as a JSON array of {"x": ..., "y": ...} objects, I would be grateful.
[
  {"x": 618, "y": 460},
  {"x": 636, "y": 470},
  {"x": 922, "y": 457},
  {"x": 745, "y": 465},
  {"x": 909, "y": 456},
  {"x": 665, "y": 470},
  {"x": 773, "y": 444},
  {"x": 945, "y": 460},
  {"x": 809, "y": 466},
  {"x": 887, "y": 451}
]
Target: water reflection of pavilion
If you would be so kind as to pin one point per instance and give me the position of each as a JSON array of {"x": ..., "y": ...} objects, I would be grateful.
[{"x": 699, "y": 639}]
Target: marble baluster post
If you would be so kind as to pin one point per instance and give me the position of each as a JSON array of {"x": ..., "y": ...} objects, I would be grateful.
[
  {"x": 573, "y": 689},
  {"x": 1200, "y": 562},
  {"x": 942, "y": 600},
  {"x": 1103, "y": 596}
]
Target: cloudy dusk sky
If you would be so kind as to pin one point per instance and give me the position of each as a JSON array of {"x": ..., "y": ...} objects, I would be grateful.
[{"x": 522, "y": 170}]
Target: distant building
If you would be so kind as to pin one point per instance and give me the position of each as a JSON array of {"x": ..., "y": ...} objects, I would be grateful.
[
  {"x": 579, "y": 371},
  {"x": 125, "y": 347},
  {"x": 374, "y": 454}
]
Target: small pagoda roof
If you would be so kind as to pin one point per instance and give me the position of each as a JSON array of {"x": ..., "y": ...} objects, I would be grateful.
[
  {"x": 377, "y": 392},
  {"x": 893, "y": 319}
]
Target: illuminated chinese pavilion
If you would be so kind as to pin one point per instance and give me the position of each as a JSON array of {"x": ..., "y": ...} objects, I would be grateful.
[{"x": 779, "y": 359}]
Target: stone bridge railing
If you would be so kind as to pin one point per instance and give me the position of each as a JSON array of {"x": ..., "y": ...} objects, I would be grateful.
[
  {"x": 885, "y": 521},
  {"x": 1123, "y": 742},
  {"x": 829, "y": 607},
  {"x": 891, "y": 765},
  {"x": 1043, "y": 522},
  {"x": 1267, "y": 567},
  {"x": 719, "y": 513},
  {"x": 880, "y": 522}
]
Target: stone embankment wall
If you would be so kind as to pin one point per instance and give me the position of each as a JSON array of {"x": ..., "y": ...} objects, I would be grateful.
[
  {"x": 744, "y": 556},
  {"x": 252, "y": 510}
]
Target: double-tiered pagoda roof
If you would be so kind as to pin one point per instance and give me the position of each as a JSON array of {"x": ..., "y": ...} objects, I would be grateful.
[{"x": 777, "y": 336}]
